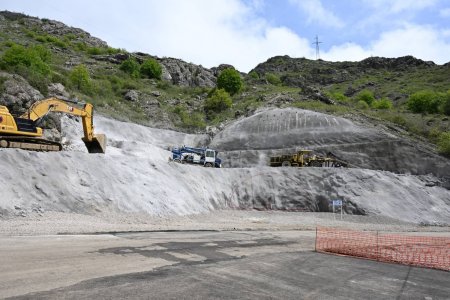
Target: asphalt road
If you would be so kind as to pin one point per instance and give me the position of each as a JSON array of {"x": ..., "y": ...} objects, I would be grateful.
[{"x": 201, "y": 265}]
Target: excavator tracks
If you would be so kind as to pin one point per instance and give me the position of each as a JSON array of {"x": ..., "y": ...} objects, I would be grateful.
[{"x": 29, "y": 143}]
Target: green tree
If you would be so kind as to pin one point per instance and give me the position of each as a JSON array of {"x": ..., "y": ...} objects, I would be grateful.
[
  {"x": 218, "y": 101},
  {"x": 424, "y": 102},
  {"x": 366, "y": 96},
  {"x": 131, "y": 66},
  {"x": 151, "y": 68},
  {"x": 230, "y": 80},
  {"x": 80, "y": 79}
]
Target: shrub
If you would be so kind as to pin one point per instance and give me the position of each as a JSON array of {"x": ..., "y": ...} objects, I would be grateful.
[
  {"x": 95, "y": 51},
  {"x": 444, "y": 143},
  {"x": 111, "y": 50},
  {"x": 80, "y": 79},
  {"x": 131, "y": 66},
  {"x": 164, "y": 85},
  {"x": 445, "y": 103},
  {"x": 61, "y": 44},
  {"x": 366, "y": 96},
  {"x": 218, "y": 101},
  {"x": 30, "y": 34},
  {"x": 230, "y": 80},
  {"x": 70, "y": 36},
  {"x": 399, "y": 120},
  {"x": 383, "y": 103},
  {"x": 41, "y": 38},
  {"x": 253, "y": 75},
  {"x": 424, "y": 102},
  {"x": 34, "y": 59},
  {"x": 9, "y": 43},
  {"x": 193, "y": 120},
  {"x": 80, "y": 46},
  {"x": 151, "y": 68},
  {"x": 273, "y": 79},
  {"x": 338, "y": 96},
  {"x": 362, "y": 104}
]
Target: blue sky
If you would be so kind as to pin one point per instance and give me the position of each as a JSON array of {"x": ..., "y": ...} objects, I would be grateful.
[{"x": 247, "y": 32}]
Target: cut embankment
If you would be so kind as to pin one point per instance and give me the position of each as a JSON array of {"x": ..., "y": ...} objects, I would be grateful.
[
  {"x": 251, "y": 141},
  {"x": 89, "y": 184},
  {"x": 134, "y": 176}
]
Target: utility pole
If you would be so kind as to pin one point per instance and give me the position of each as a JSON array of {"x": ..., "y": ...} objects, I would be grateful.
[{"x": 317, "y": 47}]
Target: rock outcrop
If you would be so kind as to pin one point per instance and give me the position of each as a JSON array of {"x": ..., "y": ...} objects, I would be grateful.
[{"x": 186, "y": 74}]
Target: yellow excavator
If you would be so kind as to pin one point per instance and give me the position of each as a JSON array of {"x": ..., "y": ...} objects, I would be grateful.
[{"x": 22, "y": 132}]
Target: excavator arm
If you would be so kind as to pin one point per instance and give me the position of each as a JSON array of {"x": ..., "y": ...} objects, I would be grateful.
[{"x": 95, "y": 143}]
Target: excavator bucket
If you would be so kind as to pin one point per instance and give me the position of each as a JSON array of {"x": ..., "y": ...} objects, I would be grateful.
[{"x": 97, "y": 145}]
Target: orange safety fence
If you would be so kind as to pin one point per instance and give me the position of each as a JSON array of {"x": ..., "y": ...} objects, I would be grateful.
[{"x": 422, "y": 251}]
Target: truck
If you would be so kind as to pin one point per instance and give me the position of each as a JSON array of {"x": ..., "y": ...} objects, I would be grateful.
[
  {"x": 22, "y": 131},
  {"x": 306, "y": 158},
  {"x": 199, "y": 156}
]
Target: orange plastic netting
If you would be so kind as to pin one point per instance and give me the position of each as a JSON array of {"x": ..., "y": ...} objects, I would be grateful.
[{"x": 430, "y": 252}]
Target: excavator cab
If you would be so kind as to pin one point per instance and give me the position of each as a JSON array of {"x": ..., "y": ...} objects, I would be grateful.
[{"x": 97, "y": 144}]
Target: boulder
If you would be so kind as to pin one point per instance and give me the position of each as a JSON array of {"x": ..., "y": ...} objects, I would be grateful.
[
  {"x": 58, "y": 90},
  {"x": 132, "y": 95}
]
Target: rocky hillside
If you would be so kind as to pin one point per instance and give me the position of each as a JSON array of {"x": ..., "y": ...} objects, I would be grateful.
[{"x": 41, "y": 58}]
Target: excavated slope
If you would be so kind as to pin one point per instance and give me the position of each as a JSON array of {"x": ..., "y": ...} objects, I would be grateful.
[
  {"x": 135, "y": 176},
  {"x": 250, "y": 141}
]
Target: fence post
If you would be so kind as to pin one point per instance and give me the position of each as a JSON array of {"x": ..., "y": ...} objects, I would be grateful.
[
  {"x": 315, "y": 244},
  {"x": 378, "y": 249}
]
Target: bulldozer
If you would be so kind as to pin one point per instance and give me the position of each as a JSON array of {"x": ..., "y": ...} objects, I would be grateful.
[
  {"x": 22, "y": 132},
  {"x": 306, "y": 158}
]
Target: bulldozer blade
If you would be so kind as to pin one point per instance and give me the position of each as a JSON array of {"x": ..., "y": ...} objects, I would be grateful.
[{"x": 97, "y": 145}]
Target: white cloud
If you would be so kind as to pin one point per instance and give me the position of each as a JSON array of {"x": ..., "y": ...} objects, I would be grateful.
[
  {"x": 346, "y": 52},
  {"x": 445, "y": 13},
  {"x": 398, "y": 6},
  {"x": 317, "y": 13},
  {"x": 215, "y": 32},
  {"x": 423, "y": 42}
]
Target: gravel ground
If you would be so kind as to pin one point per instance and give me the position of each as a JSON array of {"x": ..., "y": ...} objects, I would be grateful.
[{"x": 70, "y": 223}]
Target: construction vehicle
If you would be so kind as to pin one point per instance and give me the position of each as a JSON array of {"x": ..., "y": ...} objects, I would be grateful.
[
  {"x": 22, "y": 132},
  {"x": 199, "y": 156},
  {"x": 306, "y": 158}
]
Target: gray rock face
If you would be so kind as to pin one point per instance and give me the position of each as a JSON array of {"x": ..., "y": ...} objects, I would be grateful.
[
  {"x": 58, "y": 90},
  {"x": 187, "y": 74},
  {"x": 18, "y": 95},
  {"x": 60, "y": 29},
  {"x": 216, "y": 70},
  {"x": 251, "y": 141}
]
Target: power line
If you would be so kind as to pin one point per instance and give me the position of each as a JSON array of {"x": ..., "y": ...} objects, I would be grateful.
[{"x": 317, "y": 47}]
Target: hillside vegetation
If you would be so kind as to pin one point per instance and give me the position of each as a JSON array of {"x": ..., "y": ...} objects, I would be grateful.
[{"x": 41, "y": 58}]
